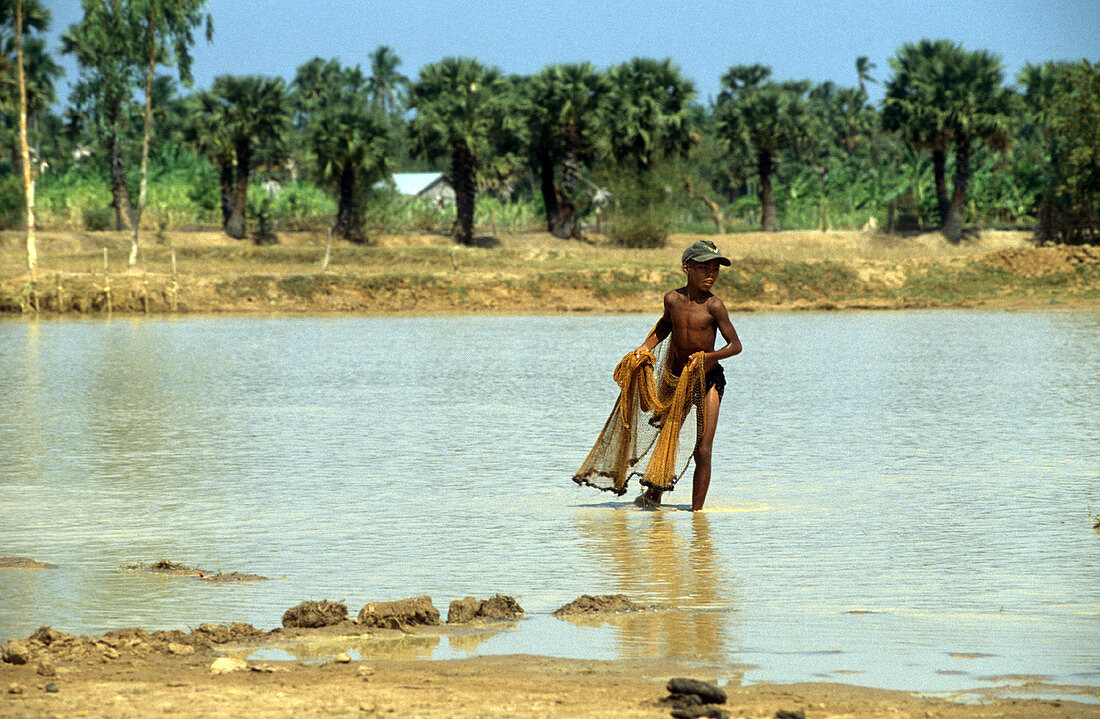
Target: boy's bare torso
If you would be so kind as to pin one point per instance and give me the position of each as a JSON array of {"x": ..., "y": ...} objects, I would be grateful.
[{"x": 694, "y": 327}]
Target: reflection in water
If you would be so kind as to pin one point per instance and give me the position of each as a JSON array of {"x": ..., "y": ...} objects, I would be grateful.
[
  {"x": 404, "y": 647},
  {"x": 651, "y": 563}
]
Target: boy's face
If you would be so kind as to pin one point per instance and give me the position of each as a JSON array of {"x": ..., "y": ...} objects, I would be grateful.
[{"x": 702, "y": 275}]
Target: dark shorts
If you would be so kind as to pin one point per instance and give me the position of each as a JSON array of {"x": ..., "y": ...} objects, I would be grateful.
[{"x": 716, "y": 378}]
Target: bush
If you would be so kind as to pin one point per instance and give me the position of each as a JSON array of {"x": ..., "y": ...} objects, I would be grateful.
[
  {"x": 97, "y": 219},
  {"x": 644, "y": 207}
]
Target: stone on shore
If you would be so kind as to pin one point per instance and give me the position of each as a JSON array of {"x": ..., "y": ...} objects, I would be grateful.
[
  {"x": 707, "y": 693},
  {"x": 312, "y": 614},
  {"x": 399, "y": 614},
  {"x": 499, "y": 606},
  {"x": 16, "y": 652}
]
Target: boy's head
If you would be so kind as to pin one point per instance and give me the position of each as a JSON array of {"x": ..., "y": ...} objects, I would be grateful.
[{"x": 704, "y": 251}]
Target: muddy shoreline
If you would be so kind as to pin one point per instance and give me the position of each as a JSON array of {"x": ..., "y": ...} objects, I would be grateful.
[{"x": 133, "y": 673}]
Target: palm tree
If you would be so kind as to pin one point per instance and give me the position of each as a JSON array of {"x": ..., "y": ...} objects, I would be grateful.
[
  {"x": 347, "y": 135},
  {"x": 385, "y": 82},
  {"x": 166, "y": 38},
  {"x": 106, "y": 48},
  {"x": 764, "y": 117},
  {"x": 463, "y": 111},
  {"x": 942, "y": 96},
  {"x": 863, "y": 73},
  {"x": 646, "y": 117},
  {"x": 204, "y": 129},
  {"x": 254, "y": 112},
  {"x": 565, "y": 103}
]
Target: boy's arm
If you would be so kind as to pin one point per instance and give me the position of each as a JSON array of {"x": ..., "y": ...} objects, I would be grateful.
[
  {"x": 722, "y": 320},
  {"x": 659, "y": 332}
]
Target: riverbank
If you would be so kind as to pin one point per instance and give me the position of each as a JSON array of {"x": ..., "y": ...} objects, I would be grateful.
[
  {"x": 85, "y": 273},
  {"x": 130, "y": 674}
]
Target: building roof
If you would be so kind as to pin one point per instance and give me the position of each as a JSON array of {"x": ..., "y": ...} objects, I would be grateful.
[{"x": 413, "y": 183}]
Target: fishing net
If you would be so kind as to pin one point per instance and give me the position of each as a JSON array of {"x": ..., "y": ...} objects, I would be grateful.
[{"x": 647, "y": 419}]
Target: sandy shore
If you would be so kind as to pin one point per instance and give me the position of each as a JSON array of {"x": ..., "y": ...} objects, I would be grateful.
[{"x": 130, "y": 673}]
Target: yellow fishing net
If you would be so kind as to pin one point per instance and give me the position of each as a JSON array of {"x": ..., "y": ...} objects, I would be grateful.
[{"x": 651, "y": 410}]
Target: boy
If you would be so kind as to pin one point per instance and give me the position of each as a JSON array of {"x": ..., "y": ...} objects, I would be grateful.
[{"x": 694, "y": 317}]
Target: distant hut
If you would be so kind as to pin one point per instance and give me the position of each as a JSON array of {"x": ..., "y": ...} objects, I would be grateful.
[{"x": 427, "y": 185}]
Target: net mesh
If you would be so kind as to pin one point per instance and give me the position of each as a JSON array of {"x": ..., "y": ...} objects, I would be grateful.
[{"x": 653, "y": 407}]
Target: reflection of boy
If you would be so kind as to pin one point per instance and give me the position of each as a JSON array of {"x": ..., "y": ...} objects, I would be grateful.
[{"x": 694, "y": 317}]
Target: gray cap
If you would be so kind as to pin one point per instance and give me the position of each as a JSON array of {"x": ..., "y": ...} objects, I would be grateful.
[{"x": 704, "y": 251}]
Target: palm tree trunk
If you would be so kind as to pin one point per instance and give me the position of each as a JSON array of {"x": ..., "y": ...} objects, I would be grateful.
[
  {"x": 120, "y": 197},
  {"x": 24, "y": 148},
  {"x": 570, "y": 175},
  {"x": 349, "y": 216},
  {"x": 953, "y": 224},
  {"x": 769, "y": 217},
  {"x": 145, "y": 138},
  {"x": 939, "y": 172},
  {"x": 549, "y": 191},
  {"x": 225, "y": 182},
  {"x": 235, "y": 227},
  {"x": 463, "y": 167}
]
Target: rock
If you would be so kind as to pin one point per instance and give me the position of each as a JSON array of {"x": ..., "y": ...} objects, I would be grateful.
[
  {"x": 400, "y": 614},
  {"x": 588, "y": 604},
  {"x": 225, "y": 665},
  {"x": 180, "y": 649},
  {"x": 342, "y": 658},
  {"x": 47, "y": 636},
  {"x": 15, "y": 688},
  {"x": 364, "y": 671},
  {"x": 498, "y": 606},
  {"x": 463, "y": 610},
  {"x": 786, "y": 714},
  {"x": 315, "y": 614},
  {"x": 16, "y": 652},
  {"x": 51, "y": 688},
  {"x": 45, "y": 668},
  {"x": 708, "y": 693}
]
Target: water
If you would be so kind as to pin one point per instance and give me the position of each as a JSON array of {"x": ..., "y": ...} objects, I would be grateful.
[{"x": 899, "y": 499}]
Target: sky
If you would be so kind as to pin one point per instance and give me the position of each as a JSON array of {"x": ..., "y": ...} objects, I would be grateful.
[{"x": 798, "y": 39}]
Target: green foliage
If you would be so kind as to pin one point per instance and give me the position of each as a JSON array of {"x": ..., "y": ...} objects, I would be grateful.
[
  {"x": 646, "y": 117},
  {"x": 643, "y": 209},
  {"x": 1064, "y": 104}
]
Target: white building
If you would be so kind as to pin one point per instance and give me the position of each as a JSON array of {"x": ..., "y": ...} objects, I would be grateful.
[{"x": 430, "y": 185}]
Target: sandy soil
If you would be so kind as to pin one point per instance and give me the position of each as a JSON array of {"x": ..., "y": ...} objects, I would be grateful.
[
  {"x": 207, "y": 673},
  {"x": 535, "y": 272},
  {"x": 504, "y": 686}
]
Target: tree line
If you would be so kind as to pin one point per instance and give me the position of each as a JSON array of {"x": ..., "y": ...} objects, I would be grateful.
[{"x": 951, "y": 143}]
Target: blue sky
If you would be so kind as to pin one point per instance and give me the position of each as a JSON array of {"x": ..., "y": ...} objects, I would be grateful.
[{"x": 797, "y": 38}]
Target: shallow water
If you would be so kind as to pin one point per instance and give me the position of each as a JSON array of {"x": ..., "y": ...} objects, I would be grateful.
[{"x": 899, "y": 499}]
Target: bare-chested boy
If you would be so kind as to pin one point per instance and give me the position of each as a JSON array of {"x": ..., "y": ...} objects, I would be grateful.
[{"x": 694, "y": 317}]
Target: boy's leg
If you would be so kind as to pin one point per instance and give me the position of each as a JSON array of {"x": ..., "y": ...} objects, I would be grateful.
[{"x": 700, "y": 480}]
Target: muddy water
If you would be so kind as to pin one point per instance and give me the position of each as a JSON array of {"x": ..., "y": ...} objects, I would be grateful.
[{"x": 899, "y": 499}]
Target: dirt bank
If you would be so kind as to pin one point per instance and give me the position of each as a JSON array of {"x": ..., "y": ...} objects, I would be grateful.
[
  {"x": 425, "y": 274},
  {"x": 504, "y": 686}
]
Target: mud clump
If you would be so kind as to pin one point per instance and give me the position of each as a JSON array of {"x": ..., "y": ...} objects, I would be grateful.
[
  {"x": 24, "y": 563},
  {"x": 497, "y": 607},
  {"x": 399, "y": 614},
  {"x": 49, "y": 646},
  {"x": 599, "y": 604},
  {"x": 178, "y": 569},
  {"x": 310, "y": 614}
]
